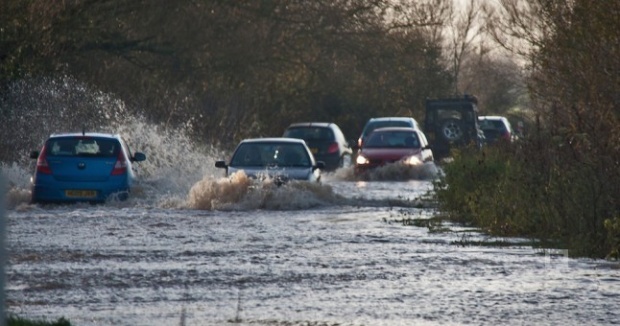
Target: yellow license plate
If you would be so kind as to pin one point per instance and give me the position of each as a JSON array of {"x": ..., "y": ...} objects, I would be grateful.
[
  {"x": 81, "y": 193},
  {"x": 314, "y": 150}
]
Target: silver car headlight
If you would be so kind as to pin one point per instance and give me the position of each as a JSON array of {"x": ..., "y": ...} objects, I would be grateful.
[{"x": 361, "y": 160}]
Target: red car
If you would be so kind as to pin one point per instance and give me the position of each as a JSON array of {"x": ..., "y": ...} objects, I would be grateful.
[{"x": 393, "y": 145}]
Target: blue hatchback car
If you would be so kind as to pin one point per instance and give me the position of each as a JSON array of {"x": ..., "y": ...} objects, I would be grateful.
[{"x": 83, "y": 167}]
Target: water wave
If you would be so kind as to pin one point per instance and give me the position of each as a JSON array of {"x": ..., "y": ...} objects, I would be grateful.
[{"x": 240, "y": 192}]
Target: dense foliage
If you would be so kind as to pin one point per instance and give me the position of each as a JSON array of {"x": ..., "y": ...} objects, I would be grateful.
[
  {"x": 237, "y": 68},
  {"x": 498, "y": 189},
  {"x": 561, "y": 183}
]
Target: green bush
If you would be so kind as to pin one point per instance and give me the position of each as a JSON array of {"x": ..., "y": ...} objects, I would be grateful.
[
  {"x": 476, "y": 187},
  {"x": 535, "y": 189}
]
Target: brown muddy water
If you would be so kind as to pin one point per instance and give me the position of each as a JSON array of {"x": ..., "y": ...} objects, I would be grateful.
[{"x": 229, "y": 251}]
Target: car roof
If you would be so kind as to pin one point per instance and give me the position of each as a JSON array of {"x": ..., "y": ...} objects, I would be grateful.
[
  {"x": 491, "y": 117},
  {"x": 392, "y": 119},
  {"x": 85, "y": 134},
  {"x": 371, "y": 121},
  {"x": 312, "y": 124},
  {"x": 274, "y": 140},
  {"x": 395, "y": 129}
]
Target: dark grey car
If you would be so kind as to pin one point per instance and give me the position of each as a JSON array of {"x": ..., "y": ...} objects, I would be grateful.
[{"x": 326, "y": 142}]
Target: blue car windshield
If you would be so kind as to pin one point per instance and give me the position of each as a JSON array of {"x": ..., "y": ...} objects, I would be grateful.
[
  {"x": 270, "y": 154},
  {"x": 82, "y": 146}
]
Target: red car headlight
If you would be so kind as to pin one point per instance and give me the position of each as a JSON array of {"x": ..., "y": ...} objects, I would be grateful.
[
  {"x": 412, "y": 160},
  {"x": 361, "y": 160}
]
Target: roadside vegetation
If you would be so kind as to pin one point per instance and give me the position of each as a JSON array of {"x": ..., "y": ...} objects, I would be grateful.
[
  {"x": 18, "y": 321},
  {"x": 560, "y": 183},
  {"x": 506, "y": 193},
  {"x": 228, "y": 70}
]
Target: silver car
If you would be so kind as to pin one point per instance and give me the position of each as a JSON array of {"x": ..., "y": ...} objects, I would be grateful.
[{"x": 280, "y": 159}]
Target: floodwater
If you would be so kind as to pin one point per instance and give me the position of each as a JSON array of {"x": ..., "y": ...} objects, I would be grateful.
[
  {"x": 229, "y": 251},
  {"x": 193, "y": 248}
]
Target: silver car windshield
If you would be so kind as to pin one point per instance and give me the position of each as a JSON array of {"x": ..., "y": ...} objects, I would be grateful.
[{"x": 270, "y": 154}]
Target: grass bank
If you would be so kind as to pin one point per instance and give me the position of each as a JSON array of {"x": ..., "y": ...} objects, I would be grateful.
[{"x": 534, "y": 189}]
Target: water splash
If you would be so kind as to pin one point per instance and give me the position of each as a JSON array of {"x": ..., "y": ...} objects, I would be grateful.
[
  {"x": 39, "y": 107},
  {"x": 18, "y": 178},
  {"x": 398, "y": 172},
  {"x": 389, "y": 172},
  {"x": 33, "y": 108},
  {"x": 174, "y": 163},
  {"x": 240, "y": 192}
]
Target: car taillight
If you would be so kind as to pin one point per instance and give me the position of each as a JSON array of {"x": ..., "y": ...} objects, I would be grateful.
[
  {"x": 120, "y": 167},
  {"x": 333, "y": 148},
  {"x": 506, "y": 135},
  {"x": 42, "y": 166}
]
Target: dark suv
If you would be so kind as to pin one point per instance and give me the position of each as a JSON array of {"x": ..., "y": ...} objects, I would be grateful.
[{"x": 452, "y": 122}]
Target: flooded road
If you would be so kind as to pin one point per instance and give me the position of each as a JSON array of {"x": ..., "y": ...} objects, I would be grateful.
[
  {"x": 342, "y": 253},
  {"x": 193, "y": 248}
]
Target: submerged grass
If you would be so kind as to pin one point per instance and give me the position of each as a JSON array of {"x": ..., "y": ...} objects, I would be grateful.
[
  {"x": 435, "y": 224},
  {"x": 494, "y": 243},
  {"x": 18, "y": 321}
]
